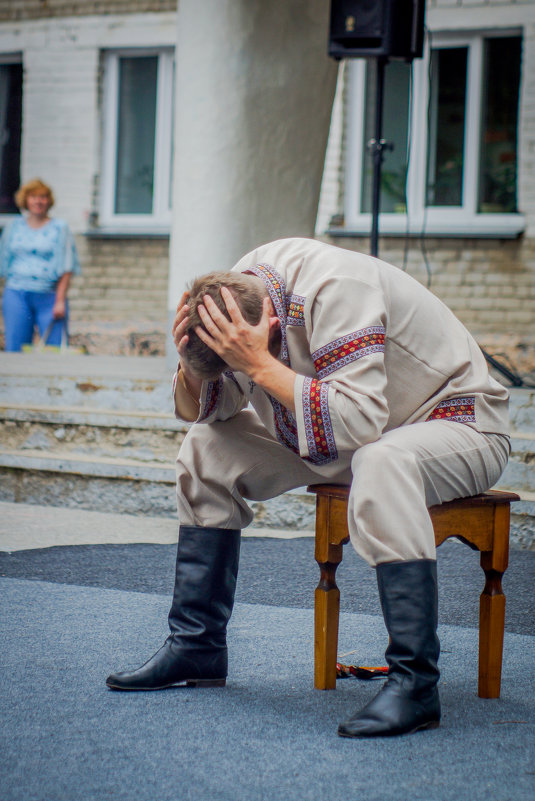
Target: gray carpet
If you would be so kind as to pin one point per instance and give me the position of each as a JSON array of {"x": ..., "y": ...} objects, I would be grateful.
[
  {"x": 267, "y": 735},
  {"x": 283, "y": 573}
]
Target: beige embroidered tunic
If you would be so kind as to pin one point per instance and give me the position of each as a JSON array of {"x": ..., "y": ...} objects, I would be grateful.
[{"x": 373, "y": 350}]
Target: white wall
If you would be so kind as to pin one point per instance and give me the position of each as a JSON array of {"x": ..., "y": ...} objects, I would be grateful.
[
  {"x": 61, "y": 125},
  {"x": 253, "y": 110}
]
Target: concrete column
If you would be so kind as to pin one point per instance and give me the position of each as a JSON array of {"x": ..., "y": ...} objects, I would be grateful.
[{"x": 254, "y": 92}]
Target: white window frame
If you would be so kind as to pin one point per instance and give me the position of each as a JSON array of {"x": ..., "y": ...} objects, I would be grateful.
[
  {"x": 160, "y": 219},
  {"x": 462, "y": 220},
  {"x": 11, "y": 58}
]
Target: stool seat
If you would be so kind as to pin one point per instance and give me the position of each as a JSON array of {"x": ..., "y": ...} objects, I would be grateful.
[{"x": 481, "y": 522}]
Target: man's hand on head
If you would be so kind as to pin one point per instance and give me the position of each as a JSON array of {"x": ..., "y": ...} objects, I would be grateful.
[{"x": 244, "y": 347}]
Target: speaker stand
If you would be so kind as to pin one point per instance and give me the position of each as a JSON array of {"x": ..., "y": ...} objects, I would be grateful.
[{"x": 376, "y": 147}]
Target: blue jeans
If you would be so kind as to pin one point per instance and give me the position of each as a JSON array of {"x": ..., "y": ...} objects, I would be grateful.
[{"x": 23, "y": 311}]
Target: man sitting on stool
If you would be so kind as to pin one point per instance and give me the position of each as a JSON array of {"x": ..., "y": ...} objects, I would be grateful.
[{"x": 356, "y": 374}]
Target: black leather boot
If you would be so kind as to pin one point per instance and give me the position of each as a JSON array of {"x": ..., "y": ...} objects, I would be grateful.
[
  {"x": 195, "y": 653},
  {"x": 408, "y": 701}
]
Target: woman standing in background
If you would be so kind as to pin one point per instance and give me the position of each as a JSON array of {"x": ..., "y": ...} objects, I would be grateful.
[{"x": 37, "y": 258}]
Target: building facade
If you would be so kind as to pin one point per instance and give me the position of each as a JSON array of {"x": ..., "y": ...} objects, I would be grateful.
[
  {"x": 87, "y": 103},
  {"x": 96, "y": 101},
  {"x": 458, "y": 185}
]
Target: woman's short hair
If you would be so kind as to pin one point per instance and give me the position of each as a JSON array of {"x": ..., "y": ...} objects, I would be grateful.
[
  {"x": 33, "y": 187},
  {"x": 248, "y": 293}
]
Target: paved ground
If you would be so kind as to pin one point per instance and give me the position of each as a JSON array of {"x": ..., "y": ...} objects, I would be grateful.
[
  {"x": 73, "y": 613},
  {"x": 280, "y": 573},
  {"x": 135, "y": 553}
]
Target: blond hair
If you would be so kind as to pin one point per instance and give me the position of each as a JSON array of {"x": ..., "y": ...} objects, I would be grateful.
[
  {"x": 248, "y": 293},
  {"x": 33, "y": 187}
]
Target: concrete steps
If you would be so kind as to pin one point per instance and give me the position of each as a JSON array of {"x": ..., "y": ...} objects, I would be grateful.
[
  {"x": 98, "y": 433},
  {"x": 145, "y": 436},
  {"x": 89, "y": 457},
  {"x": 122, "y": 485}
]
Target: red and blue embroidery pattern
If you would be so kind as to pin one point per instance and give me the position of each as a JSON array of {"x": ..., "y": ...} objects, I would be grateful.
[
  {"x": 285, "y": 425},
  {"x": 290, "y": 309},
  {"x": 318, "y": 426},
  {"x": 295, "y": 310},
  {"x": 348, "y": 349},
  {"x": 460, "y": 410},
  {"x": 213, "y": 394}
]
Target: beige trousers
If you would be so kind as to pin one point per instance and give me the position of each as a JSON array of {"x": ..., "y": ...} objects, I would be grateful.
[{"x": 393, "y": 480}]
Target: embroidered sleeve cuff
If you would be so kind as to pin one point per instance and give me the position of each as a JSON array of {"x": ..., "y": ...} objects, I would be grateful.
[
  {"x": 459, "y": 410},
  {"x": 211, "y": 393},
  {"x": 314, "y": 425}
]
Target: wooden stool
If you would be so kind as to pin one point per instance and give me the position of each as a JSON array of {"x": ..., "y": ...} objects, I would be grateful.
[{"x": 482, "y": 522}]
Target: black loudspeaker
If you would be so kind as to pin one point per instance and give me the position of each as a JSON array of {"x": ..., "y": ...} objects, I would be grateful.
[{"x": 384, "y": 28}]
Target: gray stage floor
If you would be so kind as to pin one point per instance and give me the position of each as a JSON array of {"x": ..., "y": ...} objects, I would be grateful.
[
  {"x": 280, "y": 572},
  {"x": 268, "y": 734}
]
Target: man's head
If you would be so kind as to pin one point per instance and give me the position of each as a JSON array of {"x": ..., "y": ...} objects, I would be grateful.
[{"x": 248, "y": 292}]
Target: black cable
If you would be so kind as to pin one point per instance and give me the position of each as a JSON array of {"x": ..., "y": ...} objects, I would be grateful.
[
  {"x": 424, "y": 222},
  {"x": 502, "y": 360},
  {"x": 506, "y": 359},
  {"x": 514, "y": 378},
  {"x": 508, "y": 372},
  {"x": 407, "y": 167}
]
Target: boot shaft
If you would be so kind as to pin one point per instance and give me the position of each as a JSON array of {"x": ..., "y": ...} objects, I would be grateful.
[
  {"x": 409, "y": 600},
  {"x": 205, "y": 584}
]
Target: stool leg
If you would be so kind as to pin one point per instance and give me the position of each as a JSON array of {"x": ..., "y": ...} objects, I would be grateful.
[
  {"x": 492, "y": 608},
  {"x": 326, "y": 614}
]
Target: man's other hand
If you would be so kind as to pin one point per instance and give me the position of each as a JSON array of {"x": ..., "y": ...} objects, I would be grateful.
[{"x": 244, "y": 347}]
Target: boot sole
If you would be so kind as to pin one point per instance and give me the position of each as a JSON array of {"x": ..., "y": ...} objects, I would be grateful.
[
  {"x": 184, "y": 683},
  {"x": 432, "y": 724}
]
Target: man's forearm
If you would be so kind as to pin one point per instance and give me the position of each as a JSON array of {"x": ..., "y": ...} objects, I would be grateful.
[
  {"x": 187, "y": 401},
  {"x": 245, "y": 348},
  {"x": 278, "y": 380}
]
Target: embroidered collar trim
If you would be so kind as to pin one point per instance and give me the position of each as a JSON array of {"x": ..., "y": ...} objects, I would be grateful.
[{"x": 277, "y": 292}]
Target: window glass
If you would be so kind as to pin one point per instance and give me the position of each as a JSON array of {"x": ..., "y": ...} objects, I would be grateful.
[
  {"x": 395, "y": 132},
  {"x": 464, "y": 129},
  {"x": 499, "y": 117},
  {"x": 10, "y": 131},
  {"x": 136, "y": 134},
  {"x": 447, "y": 127}
]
